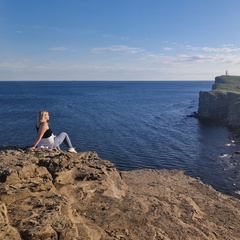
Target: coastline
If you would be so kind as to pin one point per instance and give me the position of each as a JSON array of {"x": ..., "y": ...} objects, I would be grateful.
[{"x": 59, "y": 195}]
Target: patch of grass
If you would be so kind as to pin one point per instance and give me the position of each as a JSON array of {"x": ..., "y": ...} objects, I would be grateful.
[{"x": 227, "y": 83}]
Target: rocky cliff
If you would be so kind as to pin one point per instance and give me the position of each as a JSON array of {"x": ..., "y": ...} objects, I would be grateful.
[
  {"x": 51, "y": 194},
  {"x": 222, "y": 103}
]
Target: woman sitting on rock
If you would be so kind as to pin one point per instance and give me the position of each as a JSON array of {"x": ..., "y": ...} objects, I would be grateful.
[{"x": 45, "y": 138}]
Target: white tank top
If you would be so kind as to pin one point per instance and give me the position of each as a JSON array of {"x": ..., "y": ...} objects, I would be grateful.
[{"x": 46, "y": 142}]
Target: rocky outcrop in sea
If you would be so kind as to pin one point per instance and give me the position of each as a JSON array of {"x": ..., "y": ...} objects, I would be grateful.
[
  {"x": 221, "y": 104},
  {"x": 51, "y": 194}
]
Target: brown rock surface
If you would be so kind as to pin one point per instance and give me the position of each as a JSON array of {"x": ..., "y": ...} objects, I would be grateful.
[{"x": 58, "y": 195}]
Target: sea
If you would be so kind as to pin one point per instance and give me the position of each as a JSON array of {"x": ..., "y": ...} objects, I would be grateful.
[{"x": 134, "y": 124}]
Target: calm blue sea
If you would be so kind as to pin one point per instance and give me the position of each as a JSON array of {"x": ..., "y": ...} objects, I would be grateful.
[{"x": 133, "y": 124}]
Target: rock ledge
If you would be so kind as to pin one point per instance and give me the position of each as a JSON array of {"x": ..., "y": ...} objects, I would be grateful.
[{"x": 53, "y": 194}]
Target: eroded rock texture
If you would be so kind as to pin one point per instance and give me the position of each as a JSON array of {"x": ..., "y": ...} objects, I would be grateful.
[{"x": 58, "y": 195}]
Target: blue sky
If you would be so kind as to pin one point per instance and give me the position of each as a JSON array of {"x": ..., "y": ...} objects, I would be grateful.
[{"x": 119, "y": 39}]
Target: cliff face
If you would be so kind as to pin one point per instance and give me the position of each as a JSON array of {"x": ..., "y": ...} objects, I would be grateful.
[
  {"x": 222, "y": 104},
  {"x": 50, "y": 194}
]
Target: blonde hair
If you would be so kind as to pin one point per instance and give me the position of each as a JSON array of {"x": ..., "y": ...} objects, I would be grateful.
[{"x": 40, "y": 118}]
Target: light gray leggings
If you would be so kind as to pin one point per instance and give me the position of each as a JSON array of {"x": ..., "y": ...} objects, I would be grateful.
[{"x": 62, "y": 137}]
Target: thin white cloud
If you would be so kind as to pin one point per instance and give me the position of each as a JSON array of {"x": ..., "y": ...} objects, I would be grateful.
[
  {"x": 167, "y": 49},
  {"x": 190, "y": 54},
  {"x": 59, "y": 49},
  {"x": 223, "y": 49},
  {"x": 117, "y": 48},
  {"x": 17, "y": 64},
  {"x": 193, "y": 58},
  {"x": 228, "y": 45}
]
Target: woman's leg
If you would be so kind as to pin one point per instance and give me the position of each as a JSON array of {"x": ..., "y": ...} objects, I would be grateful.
[{"x": 62, "y": 137}]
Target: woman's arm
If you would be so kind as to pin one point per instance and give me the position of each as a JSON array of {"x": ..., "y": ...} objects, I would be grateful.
[{"x": 42, "y": 129}]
